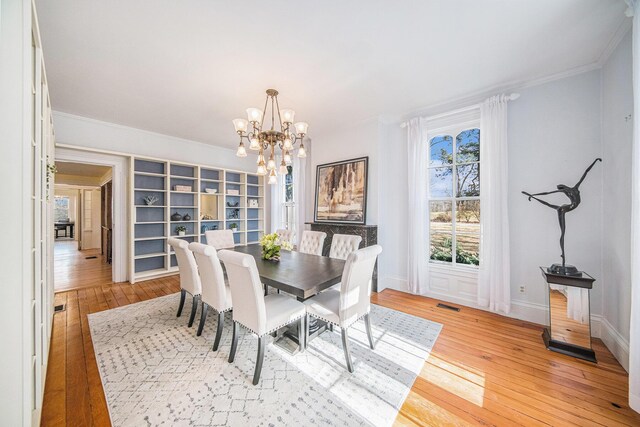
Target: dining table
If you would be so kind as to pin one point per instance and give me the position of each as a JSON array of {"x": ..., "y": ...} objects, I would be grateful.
[{"x": 300, "y": 275}]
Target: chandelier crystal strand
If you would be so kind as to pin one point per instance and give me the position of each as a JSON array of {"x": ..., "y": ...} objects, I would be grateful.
[{"x": 261, "y": 138}]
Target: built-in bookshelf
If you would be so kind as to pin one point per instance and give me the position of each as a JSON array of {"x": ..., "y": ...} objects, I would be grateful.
[{"x": 166, "y": 195}]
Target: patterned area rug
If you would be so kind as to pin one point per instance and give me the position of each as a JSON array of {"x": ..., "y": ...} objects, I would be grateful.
[{"x": 156, "y": 371}]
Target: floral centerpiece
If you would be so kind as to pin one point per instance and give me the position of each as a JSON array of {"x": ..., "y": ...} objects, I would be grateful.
[{"x": 271, "y": 246}]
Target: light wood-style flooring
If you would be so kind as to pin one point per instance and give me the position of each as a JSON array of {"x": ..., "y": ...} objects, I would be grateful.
[
  {"x": 485, "y": 369},
  {"x": 72, "y": 269}
]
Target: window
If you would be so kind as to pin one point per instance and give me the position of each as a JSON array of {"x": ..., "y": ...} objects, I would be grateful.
[
  {"x": 61, "y": 209},
  {"x": 454, "y": 196},
  {"x": 288, "y": 206}
]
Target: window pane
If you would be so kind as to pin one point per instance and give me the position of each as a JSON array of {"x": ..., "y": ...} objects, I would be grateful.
[
  {"x": 468, "y": 180},
  {"x": 468, "y": 146},
  {"x": 440, "y": 182},
  {"x": 468, "y": 216},
  {"x": 61, "y": 209},
  {"x": 288, "y": 185},
  {"x": 440, "y": 216},
  {"x": 441, "y": 150},
  {"x": 441, "y": 247},
  {"x": 468, "y": 249}
]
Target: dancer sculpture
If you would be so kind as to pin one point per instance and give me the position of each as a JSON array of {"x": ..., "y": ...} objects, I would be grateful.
[{"x": 573, "y": 193}]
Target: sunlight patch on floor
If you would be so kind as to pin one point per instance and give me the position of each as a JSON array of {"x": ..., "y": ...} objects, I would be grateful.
[{"x": 457, "y": 380}]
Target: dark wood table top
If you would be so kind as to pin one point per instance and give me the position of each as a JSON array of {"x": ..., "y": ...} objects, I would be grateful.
[{"x": 296, "y": 273}]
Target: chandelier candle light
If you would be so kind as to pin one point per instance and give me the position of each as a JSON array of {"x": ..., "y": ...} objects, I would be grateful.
[{"x": 266, "y": 142}]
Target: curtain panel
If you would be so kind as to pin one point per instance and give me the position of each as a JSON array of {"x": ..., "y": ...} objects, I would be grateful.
[
  {"x": 418, "y": 242},
  {"x": 634, "y": 333},
  {"x": 494, "y": 287}
]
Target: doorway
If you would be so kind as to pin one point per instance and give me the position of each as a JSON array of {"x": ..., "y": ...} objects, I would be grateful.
[{"x": 83, "y": 212}]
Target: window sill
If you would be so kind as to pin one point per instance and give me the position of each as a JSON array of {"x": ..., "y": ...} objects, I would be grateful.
[{"x": 456, "y": 270}]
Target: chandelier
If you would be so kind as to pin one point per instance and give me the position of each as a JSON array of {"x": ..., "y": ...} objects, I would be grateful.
[{"x": 268, "y": 141}]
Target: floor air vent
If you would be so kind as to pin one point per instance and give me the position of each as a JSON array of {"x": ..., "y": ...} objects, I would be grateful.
[
  {"x": 58, "y": 308},
  {"x": 91, "y": 257},
  {"x": 448, "y": 307}
]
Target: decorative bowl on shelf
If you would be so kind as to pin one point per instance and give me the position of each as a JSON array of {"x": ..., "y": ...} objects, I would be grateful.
[
  {"x": 211, "y": 190},
  {"x": 233, "y": 204}
]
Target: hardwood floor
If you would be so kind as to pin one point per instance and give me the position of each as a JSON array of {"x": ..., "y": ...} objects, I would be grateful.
[
  {"x": 72, "y": 269},
  {"x": 485, "y": 369}
]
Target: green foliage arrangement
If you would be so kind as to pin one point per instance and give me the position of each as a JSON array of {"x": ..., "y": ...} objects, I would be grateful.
[{"x": 270, "y": 246}]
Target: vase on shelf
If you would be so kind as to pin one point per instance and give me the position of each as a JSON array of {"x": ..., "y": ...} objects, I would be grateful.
[{"x": 176, "y": 217}]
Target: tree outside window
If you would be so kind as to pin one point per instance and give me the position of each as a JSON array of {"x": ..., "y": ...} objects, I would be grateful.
[
  {"x": 288, "y": 206},
  {"x": 454, "y": 196}
]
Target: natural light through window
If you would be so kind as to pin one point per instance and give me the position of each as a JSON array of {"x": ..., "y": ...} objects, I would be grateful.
[{"x": 454, "y": 196}]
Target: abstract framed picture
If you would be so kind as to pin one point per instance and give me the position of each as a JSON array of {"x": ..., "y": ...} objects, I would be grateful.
[{"x": 341, "y": 191}]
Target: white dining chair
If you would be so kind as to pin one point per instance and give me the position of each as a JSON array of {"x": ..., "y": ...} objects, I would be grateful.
[
  {"x": 312, "y": 242},
  {"x": 343, "y": 244},
  {"x": 260, "y": 314},
  {"x": 286, "y": 235},
  {"x": 345, "y": 307},
  {"x": 215, "y": 292},
  {"x": 189, "y": 278},
  {"x": 220, "y": 239}
]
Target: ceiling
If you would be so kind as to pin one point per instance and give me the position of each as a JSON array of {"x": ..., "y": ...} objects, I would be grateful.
[
  {"x": 188, "y": 68},
  {"x": 79, "y": 169}
]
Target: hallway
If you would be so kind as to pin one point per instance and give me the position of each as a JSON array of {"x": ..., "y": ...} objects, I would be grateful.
[{"x": 72, "y": 269}]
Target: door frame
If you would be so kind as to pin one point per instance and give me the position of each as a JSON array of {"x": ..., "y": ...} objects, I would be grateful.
[{"x": 119, "y": 165}]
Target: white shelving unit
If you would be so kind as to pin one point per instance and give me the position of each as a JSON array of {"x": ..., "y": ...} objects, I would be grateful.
[{"x": 238, "y": 199}]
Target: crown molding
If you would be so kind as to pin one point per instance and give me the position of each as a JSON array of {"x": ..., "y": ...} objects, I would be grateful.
[{"x": 618, "y": 35}]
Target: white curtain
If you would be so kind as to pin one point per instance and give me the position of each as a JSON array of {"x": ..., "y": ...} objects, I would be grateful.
[
  {"x": 299, "y": 194},
  {"x": 494, "y": 290},
  {"x": 418, "y": 250},
  {"x": 634, "y": 333},
  {"x": 277, "y": 197},
  {"x": 578, "y": 304}
]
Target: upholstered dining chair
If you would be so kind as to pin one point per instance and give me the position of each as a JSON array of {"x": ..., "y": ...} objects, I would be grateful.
[
  {"x": 260, "y": 314},
  {"x": 286, "y": 235},
  {"x": 345, "y": 307},
  {"x": 343, "y": 244},
  {"x": 312, "y": 242},
  {"x": 215, "y": 292},
  {"x": 220, "y": 239},
  {"x": 189, "y": 278}
]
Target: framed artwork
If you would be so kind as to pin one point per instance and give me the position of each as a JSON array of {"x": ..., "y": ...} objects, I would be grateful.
[{"x": 341, "y": 191}]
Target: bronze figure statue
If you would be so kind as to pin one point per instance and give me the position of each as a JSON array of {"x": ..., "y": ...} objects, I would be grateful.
[{"x": 573, "y": 193}]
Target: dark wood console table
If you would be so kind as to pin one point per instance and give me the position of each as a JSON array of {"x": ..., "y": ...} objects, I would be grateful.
[{"x": 369, "y": 234}]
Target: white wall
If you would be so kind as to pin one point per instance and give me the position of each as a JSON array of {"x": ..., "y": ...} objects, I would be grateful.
[
  {"x": 95, "y": 134},
  {"x": 554, "y": 134},
  {"x": 617, "y": 128}
]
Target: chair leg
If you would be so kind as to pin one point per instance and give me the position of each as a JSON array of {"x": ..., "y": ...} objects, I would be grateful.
[
  {"x": 306, "y": 331},
  {"x": 302, "y": 331},
  {"x": 216, "y": 343},
  {"x": 183, "y": 294},
  {"x": 194, "y": 308},
  {"x": 345, "y": 347},
  {"x": 259, "y": 360},
  {"x": 367, "y": 324},
  {"x": 331, "y": 327},
  {"x": 234, "y": 342},
  {"x": 203, "y": 317}
]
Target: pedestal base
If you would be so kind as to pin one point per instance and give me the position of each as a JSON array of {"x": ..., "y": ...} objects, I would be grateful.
[
  {"x": 564, "y": 270},
  {"x": 568, "y": 349}
]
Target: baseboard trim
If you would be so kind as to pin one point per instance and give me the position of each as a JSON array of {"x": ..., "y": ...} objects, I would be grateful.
[
  {"x": 529, "y": 312},
  {"x": 615, "y": 342}
]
